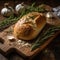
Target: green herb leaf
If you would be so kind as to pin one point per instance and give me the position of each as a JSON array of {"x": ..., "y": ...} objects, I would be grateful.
[
  {"x": 12, "y": 19},
  {"x": 47, "y": 34}
]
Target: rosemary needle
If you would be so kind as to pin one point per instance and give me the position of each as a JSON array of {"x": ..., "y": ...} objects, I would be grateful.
[{"x": 48, "y": 33}]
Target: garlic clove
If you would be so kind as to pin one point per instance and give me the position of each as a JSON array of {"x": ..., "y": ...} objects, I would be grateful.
[
  {"x": 7, "y": 10},
  {"x": 11, "y": 38},
  {"x": 19, "y": 8},
  {"x": 52, "y": 19}
]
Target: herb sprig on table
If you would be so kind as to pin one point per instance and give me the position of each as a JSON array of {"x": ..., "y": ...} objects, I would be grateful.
[
  {"x": 12, "y": 19},
  {"x": 7, "y": 22},
  {"x": 44, "y": 36},
  {"x": 32, "y": 8}
]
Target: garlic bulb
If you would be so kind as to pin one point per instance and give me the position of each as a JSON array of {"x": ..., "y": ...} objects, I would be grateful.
[
  {"x": 19, "y": 7},
  {"x": 52, "y": 19},
  {"x": 49, "y": 15},
  {"x": 7, "y": 10}
]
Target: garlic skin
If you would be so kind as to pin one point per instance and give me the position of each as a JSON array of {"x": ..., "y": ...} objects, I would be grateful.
[
  {"x": 19, "y": 8},
  {"x": 7, "y": 11},
  {"x": 10, "y": 37},
  {"x": 49, "y": 15},
  {"x": 52, "y": 19}
]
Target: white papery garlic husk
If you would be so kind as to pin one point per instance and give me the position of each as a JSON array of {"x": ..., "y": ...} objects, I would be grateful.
[
  {"x": 19, "y": 7},
  {"x": 52, "y": 19},
  {"x": 7, "y": 10}
]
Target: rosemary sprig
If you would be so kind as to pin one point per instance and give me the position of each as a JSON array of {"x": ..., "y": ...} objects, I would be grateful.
[
  {"x": 7, "y": 22},
  {"x": 12, "y": 19},
  {"x": 32, "y": 8},
  {"x": 47, "y": 34}
]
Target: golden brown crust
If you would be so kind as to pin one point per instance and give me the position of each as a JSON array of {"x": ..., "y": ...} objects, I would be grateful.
[{"x": 29, "y": 26}]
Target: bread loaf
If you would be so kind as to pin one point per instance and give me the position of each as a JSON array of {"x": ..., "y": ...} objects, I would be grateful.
[{"x": 29, "y": 26}]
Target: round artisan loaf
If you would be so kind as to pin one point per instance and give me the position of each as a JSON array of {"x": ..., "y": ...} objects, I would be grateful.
[{"x": 29, "y": 26}]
